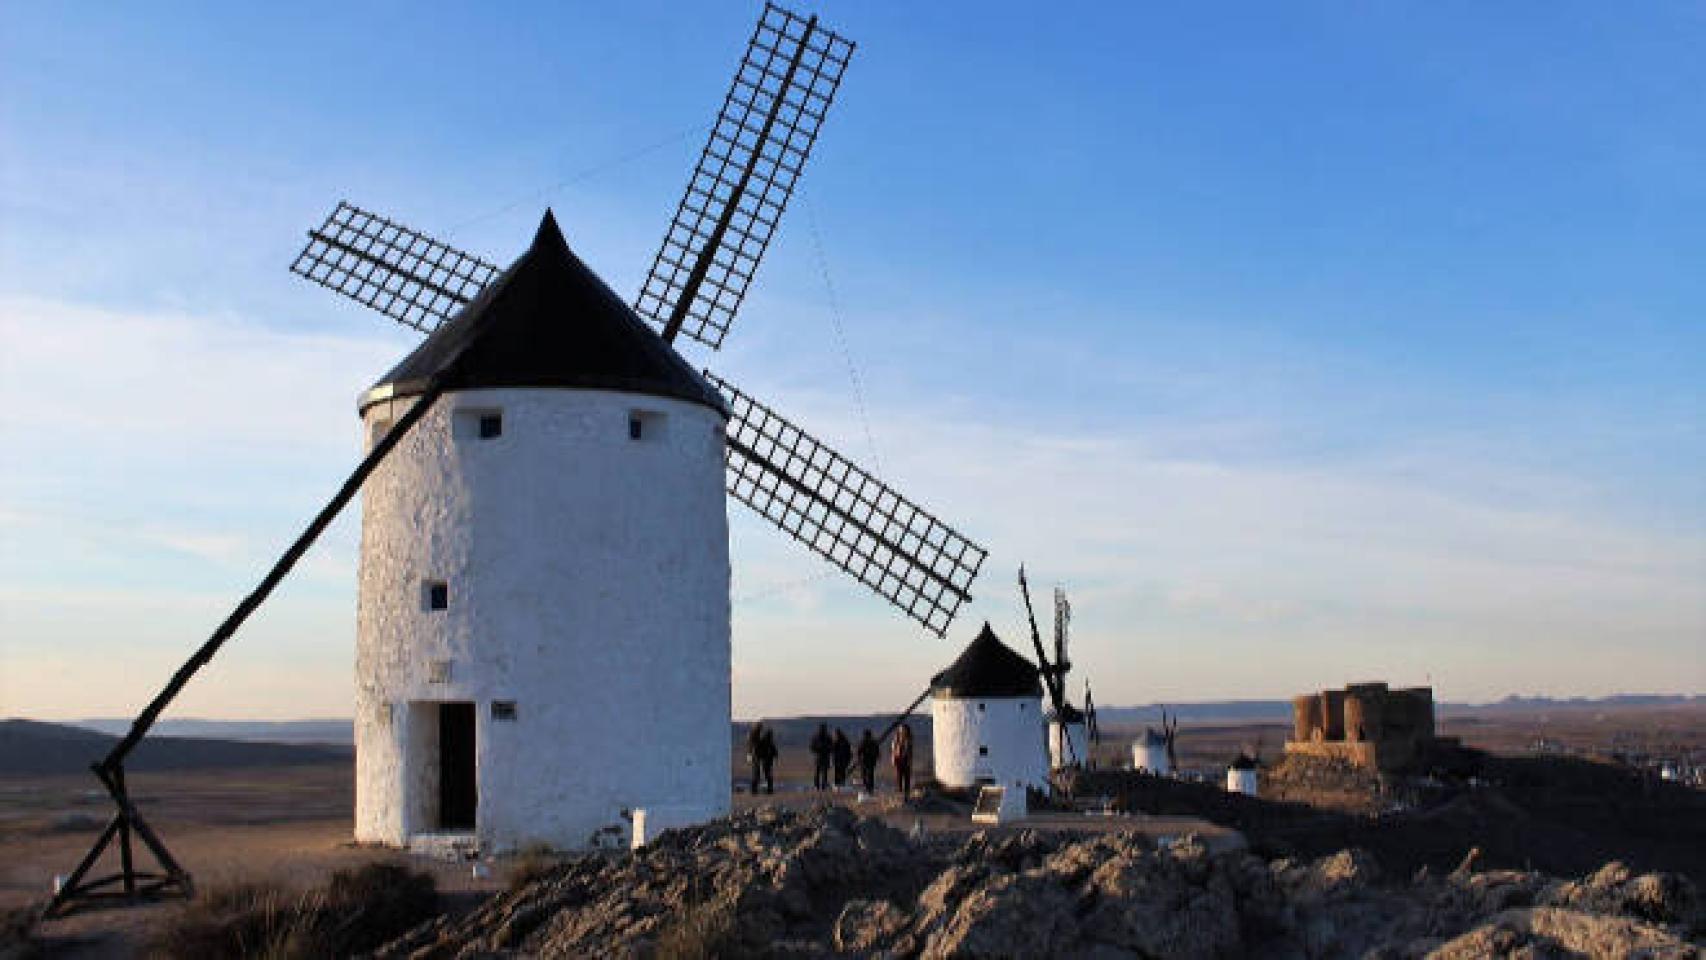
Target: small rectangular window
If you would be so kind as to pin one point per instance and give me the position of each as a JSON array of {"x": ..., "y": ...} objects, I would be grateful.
[
  {"x": 477, "y": 423},
  {"x": 645, "y": 425},
  {"x": 435, "y": 595},
  {"x": 503, "y": 710},
  {"x": 983, "y": 751}
]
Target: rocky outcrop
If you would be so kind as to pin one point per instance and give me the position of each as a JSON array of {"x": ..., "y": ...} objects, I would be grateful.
[{"x": 828, "y": 882}]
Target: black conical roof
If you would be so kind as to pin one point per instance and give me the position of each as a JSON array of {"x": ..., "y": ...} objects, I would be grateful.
[
  {"x": 988, "y": 668},
  {"x": 549, "y": 321}
]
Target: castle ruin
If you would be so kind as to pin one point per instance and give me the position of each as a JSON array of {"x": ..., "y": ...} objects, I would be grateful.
[{"x": 1366, "y": 723}]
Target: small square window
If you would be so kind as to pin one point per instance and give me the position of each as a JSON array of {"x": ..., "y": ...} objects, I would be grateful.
[
  {"x": 980, "y": 708},
  {"x": 983, "y": 751},
  {"x": 491, "y": 425},
  {"x": 503, "y": 710},
  {"x": 436, "y": 594},
  {"x": 438, "y": 671}
]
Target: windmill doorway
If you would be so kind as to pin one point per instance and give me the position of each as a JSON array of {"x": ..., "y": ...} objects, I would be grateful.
[{"x": 458, "y": 795}]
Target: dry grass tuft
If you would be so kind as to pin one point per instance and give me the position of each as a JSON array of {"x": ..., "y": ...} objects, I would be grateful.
[
  {"x": 532, "y": 863},
  {"x": 17, "y": 934},
  {"x": 357, "y": 911},
  {"x": 704, "y": 931}
]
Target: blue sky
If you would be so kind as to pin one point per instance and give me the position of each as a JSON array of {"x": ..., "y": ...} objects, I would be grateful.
[{"x": 1303, "y": 344}]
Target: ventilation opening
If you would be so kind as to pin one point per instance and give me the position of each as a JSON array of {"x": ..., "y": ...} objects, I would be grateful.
[
  {"x": 458, "y": 793},
  {"x": 435, "y": 595},
  {"x": 478, "y": 423},
  {"x": 377, "y": 432},
  {"x": 503, "y": 710},
  {"x": 645, "y": 426}
]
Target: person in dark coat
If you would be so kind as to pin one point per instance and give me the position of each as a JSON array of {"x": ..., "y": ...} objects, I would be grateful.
[
  {"x": 842, "y": 754},
  {"x": 822, "y": 746},
  {"x": 900, "y": 751},
  {"x": 767, "y": 754},
  {"x": 754, "y": 738},
  {"x": 869, "y": 754}
]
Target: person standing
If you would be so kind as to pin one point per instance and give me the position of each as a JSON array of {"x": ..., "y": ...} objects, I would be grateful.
[
  {"x": 822, "y": 746},
  {"x": 900, "y": 751},
  {"x": 754, "y": 740},
  {"x": 869, "y": 754},
  {"x": 767, "y": 754},
  {"x": 843, "y": 757}
]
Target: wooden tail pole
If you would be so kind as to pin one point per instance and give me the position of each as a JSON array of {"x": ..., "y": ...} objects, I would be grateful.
[
  {"x": 127, "y": 821},
  {"x": 900, "y": 717}
]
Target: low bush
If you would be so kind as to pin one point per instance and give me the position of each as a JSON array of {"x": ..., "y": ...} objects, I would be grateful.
[
  {"x": 357, "y": 911},
  {"x": 18, "y": 934}
]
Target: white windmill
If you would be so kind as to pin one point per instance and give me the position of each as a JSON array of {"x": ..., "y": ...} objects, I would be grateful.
[
  {"x": 584, "y": 532},
  {"x": 986, "y": 719},
  {"x": 544, "y": 614}
]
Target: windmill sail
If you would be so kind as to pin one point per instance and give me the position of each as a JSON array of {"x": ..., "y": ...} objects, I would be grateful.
[
  {"x": 857, "y": 522},
  {"x": 402, "y": 273},
  {"x": 745, "y": 176}
]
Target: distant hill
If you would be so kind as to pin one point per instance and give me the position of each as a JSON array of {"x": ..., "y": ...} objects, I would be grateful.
[
  {"x": 268, "y": 731},
  {"x": 29, "y": 747},
  {"x": 798, "y": 730}
]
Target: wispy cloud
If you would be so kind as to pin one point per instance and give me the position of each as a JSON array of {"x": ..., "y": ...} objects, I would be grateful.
[{"x": 162, "y": 459}]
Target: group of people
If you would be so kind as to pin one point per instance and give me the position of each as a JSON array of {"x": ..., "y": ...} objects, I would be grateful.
[{"x": 832, "y": 758}]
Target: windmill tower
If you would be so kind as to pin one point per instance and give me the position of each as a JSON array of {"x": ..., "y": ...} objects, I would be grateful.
[
  {"x": 986, "y": 719},
  {"x": 1068, "y": 731},
  {"x": 543, "y": 625}
]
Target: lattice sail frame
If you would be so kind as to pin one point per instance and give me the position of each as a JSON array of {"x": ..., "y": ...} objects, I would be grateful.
[
  {"x": 745, "y": 176},
  {"x": 402, "y": 273},
  {"x": 845, "y": 515}
]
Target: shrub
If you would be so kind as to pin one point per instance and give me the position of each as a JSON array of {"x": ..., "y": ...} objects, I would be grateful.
[
  {"x": 18, "y": 934},
  {"x": 357, "y": 911},
  {"x": 703, "y": 931},
  {"x": 534, "y": 862}
]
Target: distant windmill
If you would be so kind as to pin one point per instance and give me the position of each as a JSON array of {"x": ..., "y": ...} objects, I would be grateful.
[
  {"x": 543, "y": 631},
  {"x": 1067, "y": 732}
]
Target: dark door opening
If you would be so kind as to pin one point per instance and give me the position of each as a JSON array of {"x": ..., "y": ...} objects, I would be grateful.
[{"x": 457, "y": 794}]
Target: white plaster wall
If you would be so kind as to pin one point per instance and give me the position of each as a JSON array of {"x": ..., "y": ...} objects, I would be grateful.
[
  {"x": 1012, "y": 729},
  {"x": 1241, "y": 781},
  {"x": 1059, "y": 735},
  {"x": 1150, "y": 758},
  {"x": 588, "y": 583}
]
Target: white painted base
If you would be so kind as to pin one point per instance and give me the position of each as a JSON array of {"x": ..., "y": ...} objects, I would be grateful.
[
  {"x": 1241, "y": 781},
  {"x": 587, "y": 621},
  {"x": 1150, "y": 759},
  {"x": 991, "y": 740}
]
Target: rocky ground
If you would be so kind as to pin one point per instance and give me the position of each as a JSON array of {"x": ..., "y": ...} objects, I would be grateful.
[{"x": 827, "y": 881}]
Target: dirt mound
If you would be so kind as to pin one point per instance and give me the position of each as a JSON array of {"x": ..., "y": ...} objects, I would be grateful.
[{"x": 829, "y": 882}]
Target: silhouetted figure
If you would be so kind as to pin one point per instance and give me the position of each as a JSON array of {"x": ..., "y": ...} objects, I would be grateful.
[
  {"x": 842, "y": 755},
  {"x": 767, "y": 753},
  {"x": 754, "y": 752},
  {"x": 823, "y": 746},
  {"x": 869, "y": 753},
  {"x": 900, "y": 751}
]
